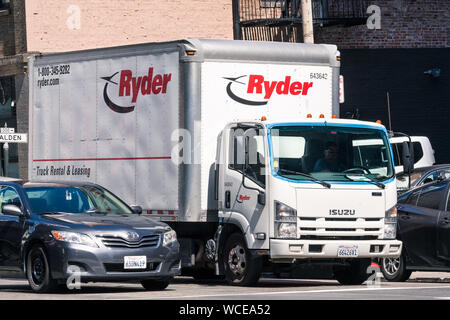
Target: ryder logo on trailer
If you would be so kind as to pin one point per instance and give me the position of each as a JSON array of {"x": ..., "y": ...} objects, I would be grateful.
[
  {"x": 258, "y": 87},
  {"x": 133, "y": 86}
]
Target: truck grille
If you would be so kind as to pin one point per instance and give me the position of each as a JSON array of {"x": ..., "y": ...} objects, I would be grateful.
[
  {"x": 340, "y": 228},
  {"x": 150, "y": 241}
]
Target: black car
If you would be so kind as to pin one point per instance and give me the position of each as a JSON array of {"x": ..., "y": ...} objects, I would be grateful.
[
  {"x": 421, "y": 176},
  {"x": 52, "y": 232},
  {"x": 424, "y": 228}
]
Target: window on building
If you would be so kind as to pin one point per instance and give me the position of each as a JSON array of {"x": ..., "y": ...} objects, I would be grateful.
[{"x": 4, "y": 4}]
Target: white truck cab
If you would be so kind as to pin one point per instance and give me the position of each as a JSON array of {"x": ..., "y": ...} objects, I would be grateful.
[{"x": 272, "y": 185}]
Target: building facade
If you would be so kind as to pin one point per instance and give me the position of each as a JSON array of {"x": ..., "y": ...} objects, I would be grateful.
[
  {"x": 67, "y": 25},
  {"x": 395, "y": 48},
  {"x": 400, "y": 47},
  {"x": 13, "y": 81}
]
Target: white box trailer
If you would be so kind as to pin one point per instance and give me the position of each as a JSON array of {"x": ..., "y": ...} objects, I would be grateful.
[{"x": 176, "y": 127}]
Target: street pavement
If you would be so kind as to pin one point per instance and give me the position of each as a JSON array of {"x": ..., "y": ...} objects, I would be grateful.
[{"x": 422, "y": 286}]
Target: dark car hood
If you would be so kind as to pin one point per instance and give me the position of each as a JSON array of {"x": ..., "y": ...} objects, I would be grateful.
[{"x": 105, "y": 222}]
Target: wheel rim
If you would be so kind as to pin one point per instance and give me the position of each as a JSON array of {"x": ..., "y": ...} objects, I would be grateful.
[
  {"x": 38, "y": 269},
  {"x": 391, "y": 265},
  {"x": 237, "y": 261}
]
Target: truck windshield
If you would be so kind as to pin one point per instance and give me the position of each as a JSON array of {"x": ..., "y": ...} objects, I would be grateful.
[
  {"x": 331, "y": 153},
  {"x": 83, "y": 199}
]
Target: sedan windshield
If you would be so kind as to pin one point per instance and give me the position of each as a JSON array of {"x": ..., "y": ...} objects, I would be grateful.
[
  {"x": 82, "y": 199},
  {"x": 331, "y": 153}
]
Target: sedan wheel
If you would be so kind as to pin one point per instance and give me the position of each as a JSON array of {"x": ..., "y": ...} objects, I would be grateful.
[
  {"x": 38, "y": 270},
  {"x": 391, "y": 266},
  {"x": 394, "y": 269}
]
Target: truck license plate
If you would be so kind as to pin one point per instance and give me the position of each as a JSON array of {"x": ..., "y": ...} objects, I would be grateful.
[
  {"x": 135, "y": 262},
  {"x": 347, "y": 251}
]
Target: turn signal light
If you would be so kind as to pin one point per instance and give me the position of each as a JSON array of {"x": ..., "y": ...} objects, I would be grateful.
[
  {"x": 321, "y": 116},
  {"x": 334, "y": 116},
  {"x": 309, "y": 115},
  {"x": 378, "y": 121}
]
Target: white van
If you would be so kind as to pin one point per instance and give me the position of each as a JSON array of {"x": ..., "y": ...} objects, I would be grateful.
[{"x": 423, "y": 152}]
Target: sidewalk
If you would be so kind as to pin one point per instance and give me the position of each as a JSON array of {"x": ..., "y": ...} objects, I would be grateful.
[{"x": 420, "y": 276}]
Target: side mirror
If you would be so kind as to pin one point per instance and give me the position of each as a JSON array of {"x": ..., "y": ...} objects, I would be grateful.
[
  {"x": 12, "y": 210},
  {"x": 407, "y": 157},
  {"x": 136, "y": 209}
]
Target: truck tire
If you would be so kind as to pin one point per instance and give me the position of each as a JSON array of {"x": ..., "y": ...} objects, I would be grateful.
[
  {"x": 241, "y": 267},
  {"x": 394, "y": 269},
  {"x": 354, "y": 274},
  {"x": 38, "y": 271},
  {"x": 156, "y": 284}
]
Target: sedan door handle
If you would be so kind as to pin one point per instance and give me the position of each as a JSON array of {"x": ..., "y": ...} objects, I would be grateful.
[
  {"x": 445, "y": 221},
  {"x": 406, "y": 217}
]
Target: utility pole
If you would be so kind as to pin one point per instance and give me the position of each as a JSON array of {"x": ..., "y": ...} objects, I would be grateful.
[{"x": 308, "y": 31}]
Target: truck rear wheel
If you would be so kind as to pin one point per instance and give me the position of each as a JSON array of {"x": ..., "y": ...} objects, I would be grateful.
[
  {"x": 241, "y": 268},
  {"x": 353, "y": 274}
]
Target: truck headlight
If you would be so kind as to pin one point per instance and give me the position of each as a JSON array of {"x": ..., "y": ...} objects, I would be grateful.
[
  {"x": 169, "y": 237},
  {"x": 285, "y": 221},
  {"x": 390, "y": 224},
  {"x": 390, "y": 231},
  {"x": 74, "y": 237}
]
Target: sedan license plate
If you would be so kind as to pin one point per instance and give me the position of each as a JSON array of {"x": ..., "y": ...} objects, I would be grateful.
[
  {"x": 135, "y": 262},
  {"x": 347, "y": 251}
]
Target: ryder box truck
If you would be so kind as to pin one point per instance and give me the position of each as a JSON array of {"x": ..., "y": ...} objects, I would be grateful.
[{"x": 222, "y": 140}]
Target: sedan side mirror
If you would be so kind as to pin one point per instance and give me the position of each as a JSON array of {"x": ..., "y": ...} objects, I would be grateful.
[
  {"x": 136, "y": 209},
  {"x": 12, "y": 210}
]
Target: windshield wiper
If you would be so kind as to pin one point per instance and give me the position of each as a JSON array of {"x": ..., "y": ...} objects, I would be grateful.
[
  {"x": 379, "y": 185},
  {"x": 325, "y": 184}
]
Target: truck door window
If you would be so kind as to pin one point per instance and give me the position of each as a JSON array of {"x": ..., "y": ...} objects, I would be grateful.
[{"x": 256, "y": 162}]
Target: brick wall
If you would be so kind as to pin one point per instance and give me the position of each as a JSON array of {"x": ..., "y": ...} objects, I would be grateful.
[
  {"x": 13, "y": 29},
  {"x": 64, "y": 25},
  {"x": 7, "y": 44},
  {"x": 404, "y": 24}
]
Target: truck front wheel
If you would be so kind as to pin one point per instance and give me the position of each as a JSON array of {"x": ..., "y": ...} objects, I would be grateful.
[
  {"x": 353, "y": 274},
  {"x": 241, "y": 267}
]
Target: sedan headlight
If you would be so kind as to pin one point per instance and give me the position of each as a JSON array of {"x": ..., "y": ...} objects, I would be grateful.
[
  {"x": 169, "y": 237},
  {"x": 73, "y": 237},
  {"x": 390, "y": 224},
  {"x": 285, "y": 221}
]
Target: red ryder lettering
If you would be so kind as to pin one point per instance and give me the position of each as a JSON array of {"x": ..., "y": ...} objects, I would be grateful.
[
  {"x": 256, "y": 84},
  {"x": 148, "y": 84}
]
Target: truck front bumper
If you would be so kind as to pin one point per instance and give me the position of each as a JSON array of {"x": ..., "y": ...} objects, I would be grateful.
[{"x": 310, "y": 249}]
